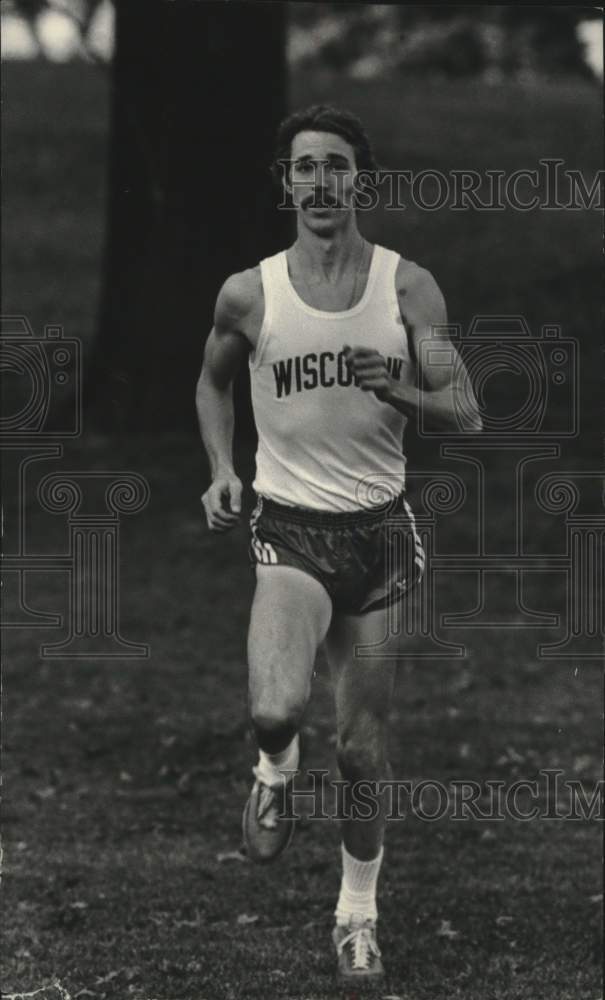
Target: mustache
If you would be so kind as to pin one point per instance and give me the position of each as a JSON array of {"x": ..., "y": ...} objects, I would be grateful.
[{"x": 320, "y": 199}]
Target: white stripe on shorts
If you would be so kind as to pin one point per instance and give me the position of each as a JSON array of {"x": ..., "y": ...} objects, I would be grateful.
[
  {"x": 264, "y": 551},
  {"x": 419, "y": 557}
]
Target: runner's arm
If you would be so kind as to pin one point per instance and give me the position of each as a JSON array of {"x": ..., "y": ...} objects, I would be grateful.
[
  {"x": 443, "y": 396},
  {"x": 226, "y": 350}
]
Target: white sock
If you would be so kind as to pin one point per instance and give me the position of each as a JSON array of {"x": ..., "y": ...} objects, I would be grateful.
[
  {"x": 277, "y": 768},
  {"x": 358, "y": 888}
]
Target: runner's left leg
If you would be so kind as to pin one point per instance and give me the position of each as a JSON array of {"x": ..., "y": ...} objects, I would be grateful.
[{"x": 363, "y": 689}]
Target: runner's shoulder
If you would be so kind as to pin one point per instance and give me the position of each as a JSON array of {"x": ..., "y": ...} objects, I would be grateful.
[
  {"x": 239, "y": 296},
  {"x": 415, "y": 283}
]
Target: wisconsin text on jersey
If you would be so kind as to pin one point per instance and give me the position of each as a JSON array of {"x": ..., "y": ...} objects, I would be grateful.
[{"x": 326, "y": 369}]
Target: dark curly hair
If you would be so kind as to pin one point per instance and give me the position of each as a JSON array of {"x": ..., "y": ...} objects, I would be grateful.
[{"x": 323, "y": 118}]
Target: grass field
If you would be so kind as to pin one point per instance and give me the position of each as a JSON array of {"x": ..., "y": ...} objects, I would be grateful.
[{"x": 125, "y": 780}]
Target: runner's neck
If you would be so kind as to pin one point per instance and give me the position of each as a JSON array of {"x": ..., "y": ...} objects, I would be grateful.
[{"x": 329, "y": 257}]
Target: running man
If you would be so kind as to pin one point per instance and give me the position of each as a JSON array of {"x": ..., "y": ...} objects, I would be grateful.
[{"x": 331, "y": 329}]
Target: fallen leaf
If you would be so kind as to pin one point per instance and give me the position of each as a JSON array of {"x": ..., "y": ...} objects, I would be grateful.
[
  {"x": 189, "y": 923},
  {"x": 184, "y": 783},
  {"x": 45, "y": 793},
  {"x": 462, "y": 682},
  {"x": 583, "y": 763},
  {"x": 231, "y": 856},
  {"x": 502, "y": 920},
  {"x": 518, "y": 758},
  {"x": 446, "y": 930},
  {"x": 108, "y": 977},
  {"x": 245, "y": 918}
]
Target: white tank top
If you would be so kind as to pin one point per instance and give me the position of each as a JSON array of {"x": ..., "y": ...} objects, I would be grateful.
[{"x": 323, "y": 442}]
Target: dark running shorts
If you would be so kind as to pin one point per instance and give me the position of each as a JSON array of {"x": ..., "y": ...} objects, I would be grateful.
[{"x": 365, "y": 559}]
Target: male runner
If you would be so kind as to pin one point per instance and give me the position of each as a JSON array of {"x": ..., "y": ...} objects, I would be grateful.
[{"x": 331, "y": 328}]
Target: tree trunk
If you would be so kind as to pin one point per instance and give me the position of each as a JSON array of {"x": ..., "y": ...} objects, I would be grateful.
[{"x": 198, "y": 90}]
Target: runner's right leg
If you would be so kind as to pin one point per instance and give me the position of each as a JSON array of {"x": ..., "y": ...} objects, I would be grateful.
[{"x": 290, "y": 616}]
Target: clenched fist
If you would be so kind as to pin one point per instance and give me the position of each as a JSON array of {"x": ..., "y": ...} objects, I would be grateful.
[
  {"x": 370, "y": 369},
  {"x": 222, "y": 502}
]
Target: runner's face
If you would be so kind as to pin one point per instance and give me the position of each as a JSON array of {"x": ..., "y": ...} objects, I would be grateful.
[{"x": 322, "y": 179}]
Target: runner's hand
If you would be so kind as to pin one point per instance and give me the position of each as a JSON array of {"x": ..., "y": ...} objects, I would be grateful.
[
  {"x": 222, "y": 502},
  {"x": 370, "y": 369}
]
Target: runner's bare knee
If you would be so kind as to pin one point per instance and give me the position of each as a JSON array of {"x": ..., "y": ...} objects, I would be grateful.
[{"x": 361, "y": 753}]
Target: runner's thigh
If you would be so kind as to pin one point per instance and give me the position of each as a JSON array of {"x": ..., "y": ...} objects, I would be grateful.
[
  {"x": 290, "y": 615},
  {"x": 363, "y": 685}
]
